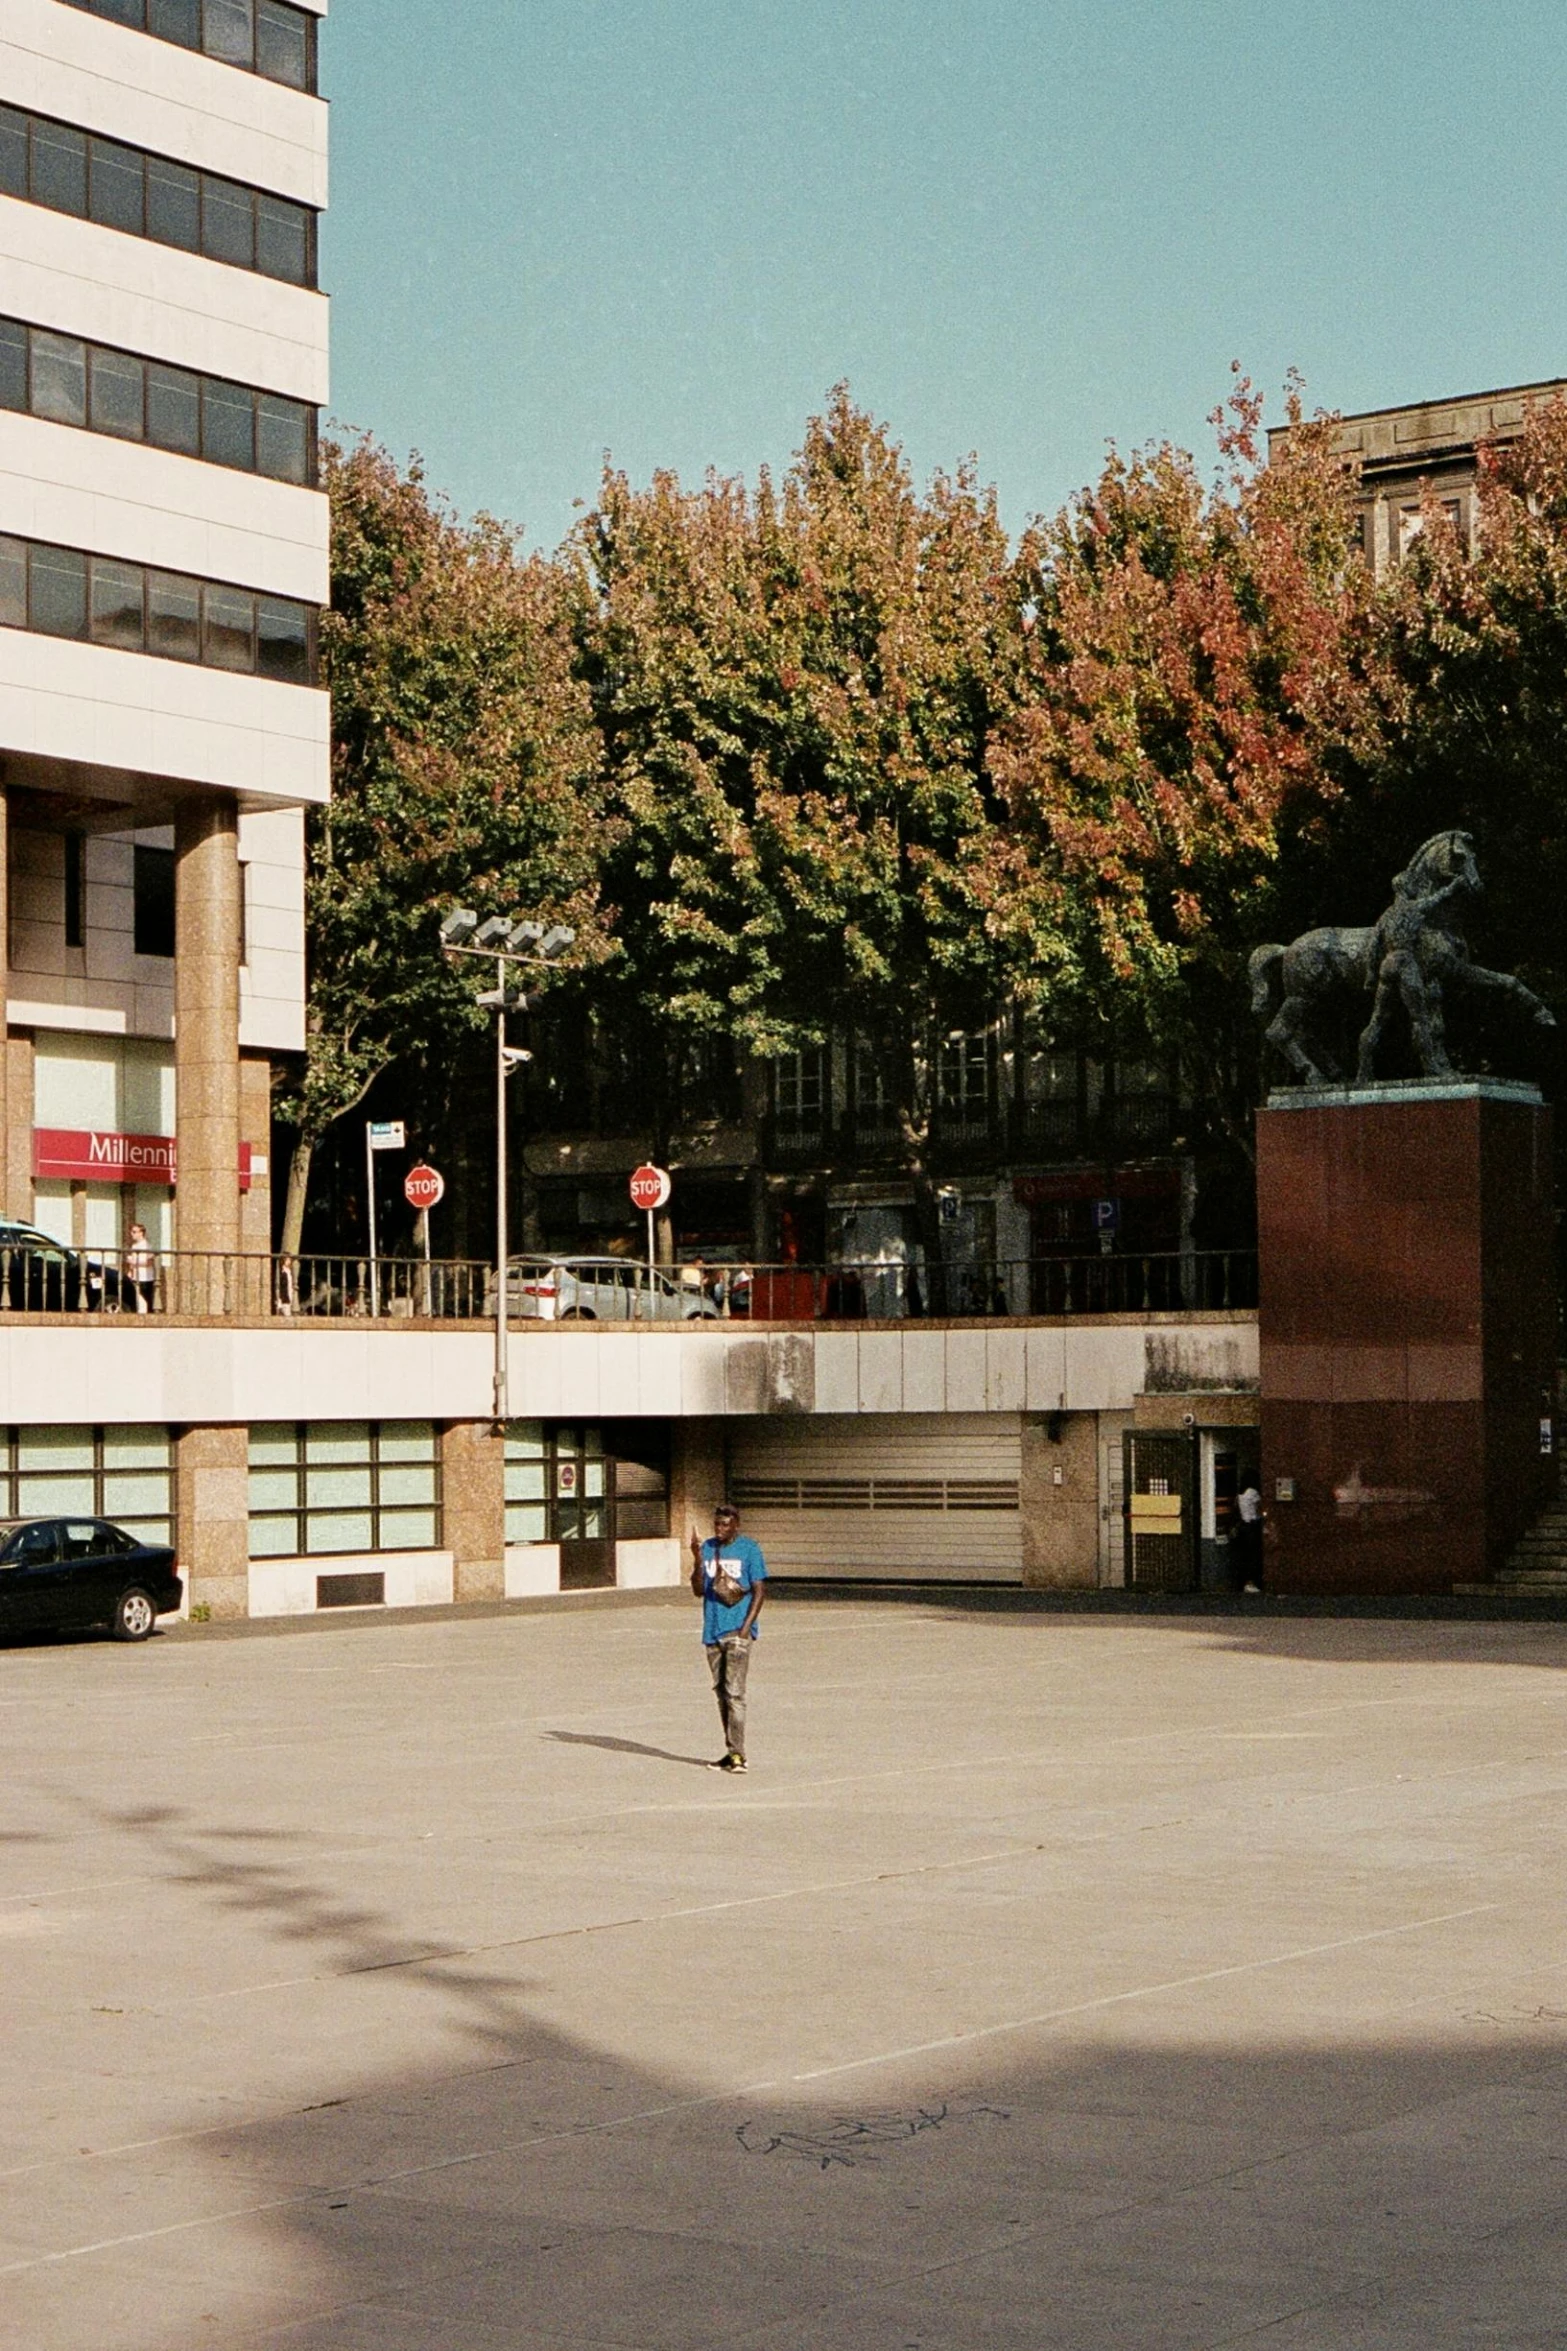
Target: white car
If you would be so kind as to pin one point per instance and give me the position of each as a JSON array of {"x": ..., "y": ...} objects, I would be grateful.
[{"x": 603, "y": 1289}]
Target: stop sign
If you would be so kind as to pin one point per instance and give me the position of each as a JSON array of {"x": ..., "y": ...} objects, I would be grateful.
[
  {"x": 650, "y": 1187},
  {"x": 422, "y": 1187}
]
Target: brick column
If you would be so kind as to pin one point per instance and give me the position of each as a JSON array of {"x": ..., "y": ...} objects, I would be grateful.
[
  {"x": 212, "y": 1500},
  {"x": 206, "y": 1024},
  {"x": 473, "y": 1509}
]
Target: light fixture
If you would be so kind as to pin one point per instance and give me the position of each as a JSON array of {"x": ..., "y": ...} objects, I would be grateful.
[
  {"x": 558, "y": 937},
  {"x": 459, "y": 927},
  {"x": 524, "y": 934},
  {"x": 492, "y": 933}
]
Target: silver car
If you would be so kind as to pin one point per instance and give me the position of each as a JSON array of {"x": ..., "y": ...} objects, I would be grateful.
[{"x": 603, "y": 1289}]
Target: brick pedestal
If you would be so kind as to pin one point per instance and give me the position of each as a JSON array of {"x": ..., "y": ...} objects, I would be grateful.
[{"x": 1408, "y": 1328}]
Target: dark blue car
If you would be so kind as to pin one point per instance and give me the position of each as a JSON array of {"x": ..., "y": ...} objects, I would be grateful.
[{"x": 73, "y": 1574}]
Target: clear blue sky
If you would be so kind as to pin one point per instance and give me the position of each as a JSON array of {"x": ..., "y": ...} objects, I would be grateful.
[{"x": 1018, "y": 227}]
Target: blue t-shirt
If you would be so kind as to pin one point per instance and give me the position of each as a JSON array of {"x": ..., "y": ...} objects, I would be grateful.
[{"x": 742, "y": 1559}]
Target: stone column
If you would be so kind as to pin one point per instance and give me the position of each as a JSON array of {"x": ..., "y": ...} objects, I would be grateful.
[
  {"x": 7, "y": 1155},
  {"x": 255, "y": 1127},
  {"x": 206, "y": 1024},
  {"x": 17, "y": 1131},
  {"x": 473, "y": 1509},
  {"x": 696, "y": 1478},
  {"x": 212, "y": 1502},
  {"x": 1059, "y": 1498}
]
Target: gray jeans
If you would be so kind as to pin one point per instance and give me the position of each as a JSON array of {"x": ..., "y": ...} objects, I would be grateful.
[{"x": 730, "y": 1662}]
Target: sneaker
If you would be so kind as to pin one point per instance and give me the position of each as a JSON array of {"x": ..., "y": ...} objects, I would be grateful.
[
  {"x": 1251, "y": 1587},
  {"x": 732, "y": 1762}
]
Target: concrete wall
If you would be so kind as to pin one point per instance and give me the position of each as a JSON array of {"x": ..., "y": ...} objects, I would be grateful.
[{"x": 146, "y": 1369}]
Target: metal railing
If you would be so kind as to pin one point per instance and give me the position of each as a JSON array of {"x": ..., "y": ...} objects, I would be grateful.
[{"x": 218, "y": 1287}]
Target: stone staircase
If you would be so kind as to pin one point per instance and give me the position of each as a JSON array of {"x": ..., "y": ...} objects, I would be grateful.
[{"x": 1538, "y": 1566}]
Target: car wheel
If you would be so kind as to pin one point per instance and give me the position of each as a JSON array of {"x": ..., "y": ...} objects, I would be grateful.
[
  {"x": 579, "y": 1314},
  {"x": 134, "y": 1615}
]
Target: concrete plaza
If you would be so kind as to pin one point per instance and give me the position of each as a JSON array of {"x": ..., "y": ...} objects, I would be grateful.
[{"x": 1049, "y": 1981}]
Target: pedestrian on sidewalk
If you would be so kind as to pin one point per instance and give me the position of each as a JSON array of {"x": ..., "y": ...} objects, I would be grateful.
[
  {"x": 1248, "y": 1536},
  {"x": 728, "y": 1576}
]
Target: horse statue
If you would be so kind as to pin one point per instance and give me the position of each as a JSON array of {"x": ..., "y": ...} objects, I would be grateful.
[{"x": 1407, "y": 958}]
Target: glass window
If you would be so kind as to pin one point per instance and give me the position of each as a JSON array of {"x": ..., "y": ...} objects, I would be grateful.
[
  {"x": 274, "y": 1441},
  {"x": 133, "y": 1447},
  {"x": 282, "y": 438},
  {"x": 173, "y": 616},
  {"x": 282, "y": 641},
  {"x": 118, "y": 385},
  {"x": 152, "y": 900},
  {"x": 116, "y": 187},
  {"x": 407, "y": 1440},
  {"x": 13, "y": 364},
  {"x": 59, "y": 377},
  {"x": 13, "y": 584},
  {"x": 59, "y": 167},
  {"x": 176, "y": 20},
  {"x": 57, "y": 591},
  {"x": 335, "y": 1486},
  {"x": 229, "y": 31},
  {"x": 117, "y": 593},
  {"x": 407, "y": 1481},
  {"x": 13, "y": 152},
  {"x": 173, "y": 204},
  {"x": 54, "y": 1449},
  {"x": 120, "y": 11},
  {"x": 283, "y": 44},
  {"x": 337, "y": 1440},
  {"x": 228, "y": 425},
  {"x": 800, "y": 1084},
  {"x": 228, "y": 628},
  {"x": 228, "y": 224},
  {"x": 282, "y": 240},
  {"x": 174, "y": 409}
]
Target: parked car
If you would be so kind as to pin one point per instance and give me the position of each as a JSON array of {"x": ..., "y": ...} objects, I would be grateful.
[
  {"x": 602, "y": 1289},
  {"x": 40, "y": 1275},
  {"x": 66, "y": 1574}
]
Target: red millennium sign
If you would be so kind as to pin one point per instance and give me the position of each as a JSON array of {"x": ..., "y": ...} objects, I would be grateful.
[
  {"x": 98, "y": 1156},
  {"x": 423, "y": 1187},
  {"x": 650, "y": 1187}
]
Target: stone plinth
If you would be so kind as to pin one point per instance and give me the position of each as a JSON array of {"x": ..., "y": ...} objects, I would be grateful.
[{"x": 1408, "y": 1327}]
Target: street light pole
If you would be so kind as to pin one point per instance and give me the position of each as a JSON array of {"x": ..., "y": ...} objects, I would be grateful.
[{"x": 499, "y": 940}]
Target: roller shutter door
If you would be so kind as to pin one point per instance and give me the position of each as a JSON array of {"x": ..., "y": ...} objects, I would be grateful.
[{"x": 921, "y": 1495}]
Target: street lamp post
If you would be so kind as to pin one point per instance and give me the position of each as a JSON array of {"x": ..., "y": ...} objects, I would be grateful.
[{"x": 502, "y": 940}]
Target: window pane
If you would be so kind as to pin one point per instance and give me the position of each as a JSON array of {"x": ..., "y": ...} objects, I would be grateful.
[
  {"x": 282, "y": 438},
  {"x": 228, "y": 425},
  {"x": 228, "y": 631},
  {"x": 117, "y": 187},
  {"x": 230, "y": 32},
  {"x": 273, "y": 1489},
  {"x": 176, "y": 20},
  {"x": 525, "y": 1522},
  {"x": 338, "y": 1530},
  {"x": 273, "y": 1441},
  {"x": 524, "y": 1440},
  {"x": 57, "y": 591},
  {"x": 283, "y": 240},
  {"x": 37, "y": 1496},
  {"x": 407, "y": 1482},
  {"x": 117, "y": 593},
  {"x": 120, "y": 11},
  {"x": 228, "y": 228},
  {"x": 525, "y": 1481},
  {"x": 408, "y": 1530},
  {"x": 282, "y": 641},
  {"x": 136, "y": 1445},
  {"x": 138, "y": 1496},
  {"x": 274, "y": 1538},
  {"x": 173, "y": 616},
  {"x": 283, "y": 44},
  {"x": 152, "y": 900},
  {"x": 59, "y": 377},
  {"x": 158, "y": 1531},
  {"x": 13, "y": 365},
  {"x": 174, "y": 409},
  {"x": 13, "y": 152},
  {"x": 339, "y": 1488},
  {"x": 173, "y": 204},
  {"x": 54, "y": 1449},
  {"x": 59, "y": 176},
  {"x": 13, "y": 584},
  {"x": 407, "y": 1440},
  {"x": 117, "y": 386},
  {"x": 337, "y": 1440}
]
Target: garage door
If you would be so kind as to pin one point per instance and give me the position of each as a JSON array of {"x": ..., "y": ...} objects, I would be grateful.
[{"x": 920, "y": 1495}]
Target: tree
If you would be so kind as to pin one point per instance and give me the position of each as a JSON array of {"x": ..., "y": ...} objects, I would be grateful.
[
  {"x": 1201, "y": 673},
  {"x": 796, "y": 688},
  {"x": 463, "y": 770}
]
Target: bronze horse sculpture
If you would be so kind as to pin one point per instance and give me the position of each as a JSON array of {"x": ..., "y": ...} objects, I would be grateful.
[{"x": 1408, "y": 957}]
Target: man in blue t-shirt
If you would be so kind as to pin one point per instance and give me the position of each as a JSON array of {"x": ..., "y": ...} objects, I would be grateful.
[{"x": 729, "y": 1577}]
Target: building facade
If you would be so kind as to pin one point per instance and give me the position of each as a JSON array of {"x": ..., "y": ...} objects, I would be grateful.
[{"x": 163, "y": 558}]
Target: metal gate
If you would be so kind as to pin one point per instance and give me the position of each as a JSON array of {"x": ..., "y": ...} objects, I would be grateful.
[
  {"x": 919, "y": 1495},
  {"x": 1161, "y": 1511}
]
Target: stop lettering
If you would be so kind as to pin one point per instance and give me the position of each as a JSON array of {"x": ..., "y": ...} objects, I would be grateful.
[
  {"x": 423, "y": 1187},
  {"x": 650, "y": 1187}
]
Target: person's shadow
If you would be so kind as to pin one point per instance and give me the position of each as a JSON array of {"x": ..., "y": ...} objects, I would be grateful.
[{"x": 624, "y": 1747}]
